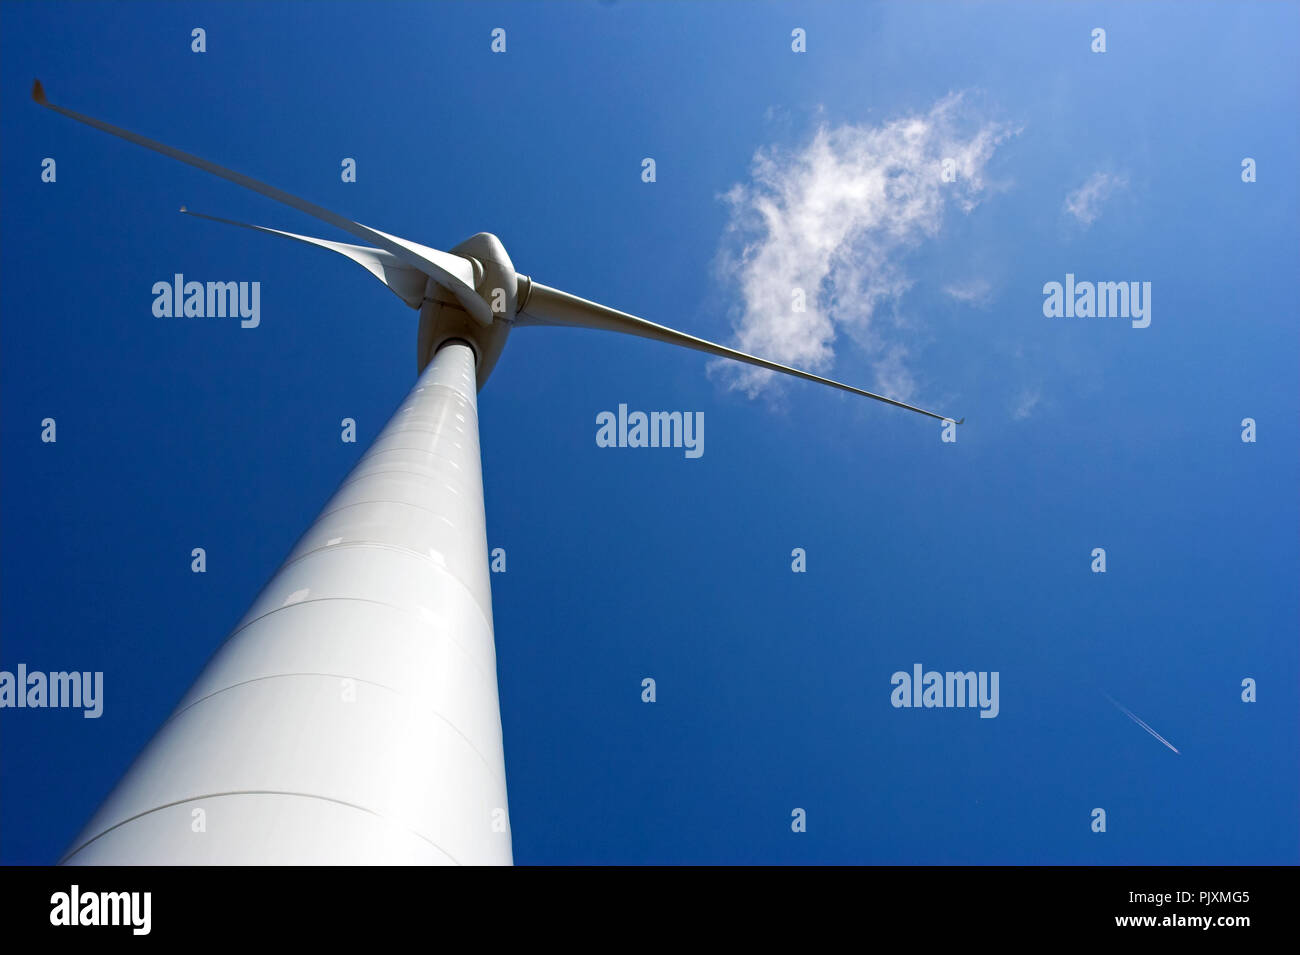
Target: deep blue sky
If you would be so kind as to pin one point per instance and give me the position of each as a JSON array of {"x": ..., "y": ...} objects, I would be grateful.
[{"x": 773, "y": 688}]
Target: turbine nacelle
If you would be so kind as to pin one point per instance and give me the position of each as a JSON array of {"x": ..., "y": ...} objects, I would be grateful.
[{"x": 443, "y": 317}]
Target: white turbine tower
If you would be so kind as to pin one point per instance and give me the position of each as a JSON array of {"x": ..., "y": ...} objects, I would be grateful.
[{"x": 352, "y": 715}]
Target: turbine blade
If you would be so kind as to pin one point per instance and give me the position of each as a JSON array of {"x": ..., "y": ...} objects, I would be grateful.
[
  {"x": 404, "y": 281},
  {"x": 544, "y": 305},
  {"x": 445, "y": 269}
]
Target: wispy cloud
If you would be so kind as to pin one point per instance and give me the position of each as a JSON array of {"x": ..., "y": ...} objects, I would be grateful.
[
  {"x": 833, "y": 218},
  {"x": 892, "y": 376},
  {"x": 1085, "y": 202},
  {"x": 976, "y": 292},
  {"x": 1026, "y": 403}
]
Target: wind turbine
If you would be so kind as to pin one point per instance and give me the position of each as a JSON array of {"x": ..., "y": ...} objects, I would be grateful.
[{"x": 352, "y": 714}]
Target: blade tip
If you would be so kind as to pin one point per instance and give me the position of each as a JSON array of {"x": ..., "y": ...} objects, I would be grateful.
[{"x": 38, "y": 93}]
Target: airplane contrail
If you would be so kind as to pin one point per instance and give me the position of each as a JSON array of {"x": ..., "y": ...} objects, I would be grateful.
[{"x": 1139, "y": 721}]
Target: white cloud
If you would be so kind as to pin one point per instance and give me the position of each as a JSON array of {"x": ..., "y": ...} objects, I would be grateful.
[
  {"x": 1085, "y": 202},
  {"x": 976, "y": 292},
  {"x": 1026, "y": 403},
  {"x": 834, "y": 218},
  {"x": 892, "y": 377}
]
